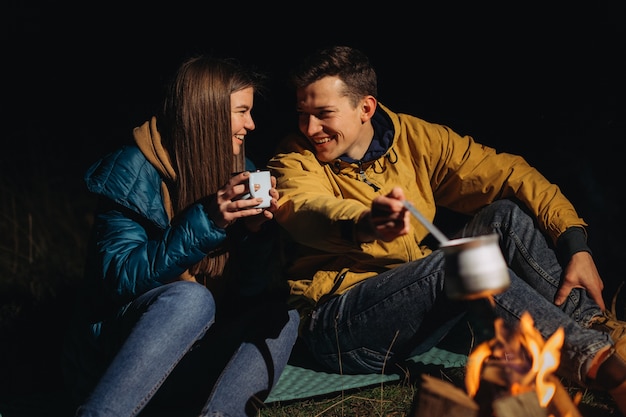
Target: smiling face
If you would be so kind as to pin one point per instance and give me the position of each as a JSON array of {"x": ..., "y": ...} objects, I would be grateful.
[
  {"x": 241, "y": 117},
  {"x": 331, "y": 122}
]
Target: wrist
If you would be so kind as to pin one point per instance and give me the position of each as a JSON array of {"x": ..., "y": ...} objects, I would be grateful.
[{"x": 572, "y": 241}]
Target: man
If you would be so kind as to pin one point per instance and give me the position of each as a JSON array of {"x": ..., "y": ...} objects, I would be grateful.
[{"x": 369, "y": 289}]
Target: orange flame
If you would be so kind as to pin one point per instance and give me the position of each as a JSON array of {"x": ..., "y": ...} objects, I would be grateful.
[{"x": 544, "y": 356}]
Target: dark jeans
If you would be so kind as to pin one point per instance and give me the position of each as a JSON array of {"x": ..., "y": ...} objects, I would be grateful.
[{"x": 405, "y": 310}]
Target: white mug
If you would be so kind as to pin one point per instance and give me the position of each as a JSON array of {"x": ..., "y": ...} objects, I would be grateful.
[
  {"x": 474, "y": 267},
  {"x": 260, "y": 184}
]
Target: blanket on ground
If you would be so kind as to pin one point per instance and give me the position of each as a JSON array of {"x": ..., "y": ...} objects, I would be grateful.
[{"x": 302, "y": 378}]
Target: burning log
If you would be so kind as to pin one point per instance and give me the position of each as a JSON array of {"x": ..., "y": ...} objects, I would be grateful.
[
  {"x": 513, "y": 365},
  {"x": 437, "y": 398},
  {"x": 561, "y": 404},
  {"x": 521, "y": 405},
  {"x": 494, "y": 396},
  {"x": 508, "y": 376}
]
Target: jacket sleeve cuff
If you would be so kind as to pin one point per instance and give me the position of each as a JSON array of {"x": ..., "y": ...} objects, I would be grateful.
[{"x": 573, "y": 240}]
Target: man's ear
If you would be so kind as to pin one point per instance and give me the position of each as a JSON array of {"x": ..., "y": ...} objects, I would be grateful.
[{"x": 368, "y": 108}]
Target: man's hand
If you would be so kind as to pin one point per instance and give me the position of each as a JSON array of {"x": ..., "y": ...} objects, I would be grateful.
[
  {"x": 387, "y": 219},
  {"x": 581, "y": 272}
]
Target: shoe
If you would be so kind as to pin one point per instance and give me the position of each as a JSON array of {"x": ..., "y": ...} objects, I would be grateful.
[
  {"x": 611, "y": 375},
  {"x": 608, "y": 323},
  {"x": 612, "y": 371},
  {"x": 619, "y": 395}
]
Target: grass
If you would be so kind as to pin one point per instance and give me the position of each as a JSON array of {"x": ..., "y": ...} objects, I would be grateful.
[
  {"x": 44, "y": 223},
  {"x": 390, "y": 400},
  {"x": 399, "y": 399}
]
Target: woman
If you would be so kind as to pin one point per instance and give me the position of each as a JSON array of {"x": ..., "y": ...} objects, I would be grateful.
[{"x": 170, "y": 218}]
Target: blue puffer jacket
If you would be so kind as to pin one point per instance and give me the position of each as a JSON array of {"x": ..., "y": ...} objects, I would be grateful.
[
  {"x": 135, "y": 247},
  {"x": 138, "y": 244}
]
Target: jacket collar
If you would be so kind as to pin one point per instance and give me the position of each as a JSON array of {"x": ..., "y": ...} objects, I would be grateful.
[{"x": 382, "y": 140}]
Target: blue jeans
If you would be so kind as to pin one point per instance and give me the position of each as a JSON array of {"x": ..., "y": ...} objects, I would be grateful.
[
  {"x": 405, "y": 310},
  {"x": 166, "y": 350}
]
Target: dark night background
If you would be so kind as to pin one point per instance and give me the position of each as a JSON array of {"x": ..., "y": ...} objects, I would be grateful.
[{"x": 542, "y": 80}]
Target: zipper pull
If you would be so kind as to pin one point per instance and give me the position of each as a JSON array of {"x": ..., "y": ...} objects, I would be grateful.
[{"x": 366, "y": 181}]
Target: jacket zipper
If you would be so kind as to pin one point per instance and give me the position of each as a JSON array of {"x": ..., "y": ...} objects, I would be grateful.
[{"x": 364, "y": 178}]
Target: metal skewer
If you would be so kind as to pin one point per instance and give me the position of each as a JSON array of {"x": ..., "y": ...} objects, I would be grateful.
[{"x": 431, "y": 227}]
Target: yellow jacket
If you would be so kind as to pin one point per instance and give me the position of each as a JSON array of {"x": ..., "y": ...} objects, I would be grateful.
[{"x": 321, "y": 202}]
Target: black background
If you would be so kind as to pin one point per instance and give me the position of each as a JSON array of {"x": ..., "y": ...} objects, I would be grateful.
[{"x": 543, "y": 80}]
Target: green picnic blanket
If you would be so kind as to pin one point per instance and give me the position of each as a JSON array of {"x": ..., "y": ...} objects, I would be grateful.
[{"x": 302, "y": 378}]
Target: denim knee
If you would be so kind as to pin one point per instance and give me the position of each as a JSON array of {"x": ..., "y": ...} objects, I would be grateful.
[
  {"x": 190, "y": 299},
  {"x": 502, "y": 217}
]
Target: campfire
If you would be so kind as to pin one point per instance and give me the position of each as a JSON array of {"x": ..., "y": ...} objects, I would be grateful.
[{"x": 510, "y": 375}]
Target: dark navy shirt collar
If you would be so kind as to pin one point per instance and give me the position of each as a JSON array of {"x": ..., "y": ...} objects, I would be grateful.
[{"x": 383, "y": 137}]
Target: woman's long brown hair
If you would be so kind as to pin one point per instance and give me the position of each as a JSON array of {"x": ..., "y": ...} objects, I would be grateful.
[{"x": 196, "y": 130}]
